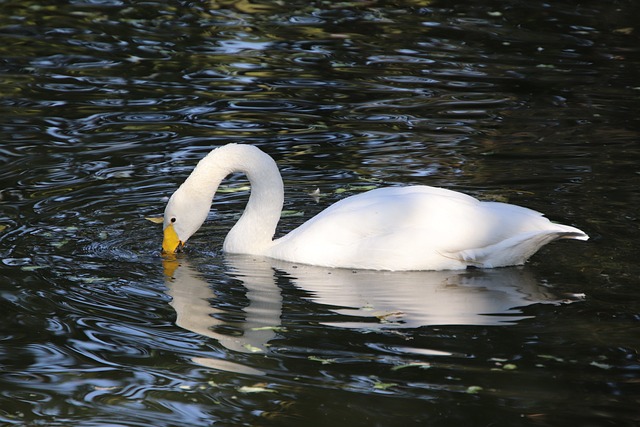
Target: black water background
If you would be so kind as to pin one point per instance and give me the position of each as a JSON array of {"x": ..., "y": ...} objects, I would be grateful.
[{"x": 106, "y": 106}]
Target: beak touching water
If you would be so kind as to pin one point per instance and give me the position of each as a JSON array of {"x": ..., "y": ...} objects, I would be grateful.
[{"x": 171, "y": 243}]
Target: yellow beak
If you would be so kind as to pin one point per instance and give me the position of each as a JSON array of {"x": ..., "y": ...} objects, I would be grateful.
[{"x": 171, "y": 242}]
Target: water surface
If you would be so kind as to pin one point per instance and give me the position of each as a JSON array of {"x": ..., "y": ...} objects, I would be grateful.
[{"x": 106, "y": 108}]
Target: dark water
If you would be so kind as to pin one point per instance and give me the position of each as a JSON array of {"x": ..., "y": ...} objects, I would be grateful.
[{"x": 107, "y": 105}]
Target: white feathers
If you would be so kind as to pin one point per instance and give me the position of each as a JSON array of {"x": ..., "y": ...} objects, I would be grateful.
[{"x": 403, "y": 228}]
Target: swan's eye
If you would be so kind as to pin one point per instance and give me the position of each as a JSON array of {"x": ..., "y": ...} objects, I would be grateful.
[{"x": 173, "y": 220}]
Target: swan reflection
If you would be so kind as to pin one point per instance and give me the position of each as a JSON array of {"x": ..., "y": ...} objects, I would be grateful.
[
  {"x": 366, "y": 299},
  {"x": 410, "y": 299}
]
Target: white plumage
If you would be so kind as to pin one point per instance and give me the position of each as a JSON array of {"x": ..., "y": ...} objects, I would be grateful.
[{"x": 394, "y": 228}]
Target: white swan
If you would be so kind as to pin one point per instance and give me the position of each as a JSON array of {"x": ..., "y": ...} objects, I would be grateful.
[{"x": 403, "y": 228}]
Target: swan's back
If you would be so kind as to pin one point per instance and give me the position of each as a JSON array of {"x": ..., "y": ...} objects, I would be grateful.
[{"x": 419, "y": 228}]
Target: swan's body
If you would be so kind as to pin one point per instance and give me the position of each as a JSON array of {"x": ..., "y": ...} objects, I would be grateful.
[{"x": 403, "y": 228}]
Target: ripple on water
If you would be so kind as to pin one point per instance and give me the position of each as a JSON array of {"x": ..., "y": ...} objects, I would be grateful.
[{"x": 107, "y": 109}]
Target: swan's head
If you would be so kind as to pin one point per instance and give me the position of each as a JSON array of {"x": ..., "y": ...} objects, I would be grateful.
[{"x": 183, "y": 216}]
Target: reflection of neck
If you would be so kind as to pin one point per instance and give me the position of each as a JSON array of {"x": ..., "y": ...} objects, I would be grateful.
[{"x": 191, "y": 301}]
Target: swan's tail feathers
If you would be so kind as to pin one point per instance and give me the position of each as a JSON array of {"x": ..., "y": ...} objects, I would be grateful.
[
  {"x": 568, "y": 232},
  {"x": 517, "y": 249},
  {"x": 574, "y": 235}
]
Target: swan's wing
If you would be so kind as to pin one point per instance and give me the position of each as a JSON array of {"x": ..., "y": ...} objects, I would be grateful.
[{"x": 416, "y": 228}]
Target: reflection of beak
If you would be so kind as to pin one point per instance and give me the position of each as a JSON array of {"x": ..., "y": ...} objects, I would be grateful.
[
  {"x": 170, "y": 265},
  {"x": 171, "y": 242}
]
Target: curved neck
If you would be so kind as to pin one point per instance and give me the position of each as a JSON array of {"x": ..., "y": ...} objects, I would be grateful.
[{"x": 254, "y": 231}]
